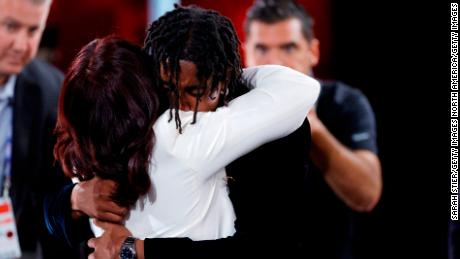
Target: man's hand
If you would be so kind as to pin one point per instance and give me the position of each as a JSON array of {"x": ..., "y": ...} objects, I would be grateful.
[
  {"x": 353, "y": 174},
  {"x": 93, "y": 198},
  {"x": 315, "y": 123},
  {"x": 108, "y": 245}
]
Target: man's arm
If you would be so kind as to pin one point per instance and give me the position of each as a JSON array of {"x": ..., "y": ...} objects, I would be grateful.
[
  {"x": 67, "y": 212},
  {"x": 283, "y": 97},
  {"x": 353, "y": 174},
  {"x": 61, "y": 222},
  {"x": 108, "y": 246},
  {"x": 66, "y": 217}
]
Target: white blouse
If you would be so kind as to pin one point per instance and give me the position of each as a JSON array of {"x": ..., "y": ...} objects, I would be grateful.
[{"x": 189, "y": 197}]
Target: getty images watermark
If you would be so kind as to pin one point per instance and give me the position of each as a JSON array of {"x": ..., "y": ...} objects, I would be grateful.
[{"x": 454, "y": 111}]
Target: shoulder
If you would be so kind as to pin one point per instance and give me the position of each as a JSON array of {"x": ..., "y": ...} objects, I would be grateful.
[
  {"x": 39, "y": 83},
  {"x": 44, "y": 75},
  {"x": 340, "y": 93},
  {"x": 348, "y": 115}
]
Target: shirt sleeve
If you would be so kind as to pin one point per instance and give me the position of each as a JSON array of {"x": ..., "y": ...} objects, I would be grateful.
[
  {"x": 360, "y": 120},
  {"x": 276, "y": 107},
  {"x": 58, "y": 219}
]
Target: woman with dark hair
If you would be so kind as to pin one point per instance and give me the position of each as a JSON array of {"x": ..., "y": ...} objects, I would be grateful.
[{"x": 107, "y": 108}]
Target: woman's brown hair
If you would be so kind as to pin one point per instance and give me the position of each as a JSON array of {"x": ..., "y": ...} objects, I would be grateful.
[{"x": 107, "y": 108}]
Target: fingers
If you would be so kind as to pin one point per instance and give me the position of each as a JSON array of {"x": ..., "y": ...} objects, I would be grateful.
[
  {"x": 114, "y": 208},
  {"x": 94, "y": 198},
  {"x": 107, "y": 183},
  {"x": 92, "y": 242},
  {"x": 99, "y": 187},
  {"x": 105, "y": 187},
  {"x": 109, "y": 211},
  {"x": 103, "y": 224},
  {"x": 105, "y": 210},
  {"x": 110, "y": 217}
]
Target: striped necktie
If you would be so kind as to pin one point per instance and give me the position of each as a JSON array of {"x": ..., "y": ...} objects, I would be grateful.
[{"x": 6, "y": 138}]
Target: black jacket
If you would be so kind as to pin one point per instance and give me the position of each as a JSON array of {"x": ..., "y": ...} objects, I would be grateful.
[{"x": 33, "y": 174}]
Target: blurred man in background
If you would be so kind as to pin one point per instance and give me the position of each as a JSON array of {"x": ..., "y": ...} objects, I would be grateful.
[
  {"x": 28, "y": 98},
  {"x": 346, "y": 176}
]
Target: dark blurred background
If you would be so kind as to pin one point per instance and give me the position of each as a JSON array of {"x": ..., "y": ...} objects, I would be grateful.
[{"x": 397, "y": 54}]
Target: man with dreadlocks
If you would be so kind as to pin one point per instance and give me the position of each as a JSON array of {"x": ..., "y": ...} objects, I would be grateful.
[{"x": 198, "y": 63}]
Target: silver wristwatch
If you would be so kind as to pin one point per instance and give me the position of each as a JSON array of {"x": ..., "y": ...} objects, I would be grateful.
[{"x": 128, "y": 249}]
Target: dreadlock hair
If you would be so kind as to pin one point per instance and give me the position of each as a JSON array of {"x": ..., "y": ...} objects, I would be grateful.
[
  {"x": 273, "y": 11},
  {"x": 106, "y": 111},
  {"x": 204, "y": 37}
]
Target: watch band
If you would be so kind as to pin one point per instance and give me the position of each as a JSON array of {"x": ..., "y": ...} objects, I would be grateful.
[{"x": 128, "y": 249}]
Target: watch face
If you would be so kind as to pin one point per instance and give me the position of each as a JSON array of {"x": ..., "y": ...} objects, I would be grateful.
[{"x": 126, "y": 253}]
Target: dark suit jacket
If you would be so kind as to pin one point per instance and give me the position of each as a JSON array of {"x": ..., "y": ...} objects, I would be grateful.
[{"x": 33, "y": 174}]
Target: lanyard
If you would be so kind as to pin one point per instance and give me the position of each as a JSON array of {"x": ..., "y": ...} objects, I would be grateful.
[
  {"x": 7, "y": 168},
  {"x": 6, "y": 149}
]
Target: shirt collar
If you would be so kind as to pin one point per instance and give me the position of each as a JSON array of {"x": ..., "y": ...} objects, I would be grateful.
[{"x": 7, "y": 90}]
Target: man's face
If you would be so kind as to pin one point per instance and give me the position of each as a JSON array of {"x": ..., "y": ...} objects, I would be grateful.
[
  {"x": 189, "y": 88},
  {"x": 281, "y": 43},
  {"x": 21, "y": 26}
]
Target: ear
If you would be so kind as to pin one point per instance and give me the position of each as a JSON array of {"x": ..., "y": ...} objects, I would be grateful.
[{"x": 314, "y": 52}]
